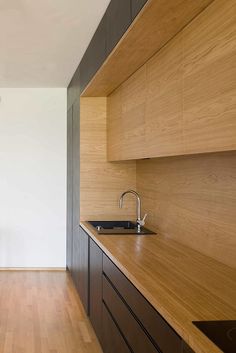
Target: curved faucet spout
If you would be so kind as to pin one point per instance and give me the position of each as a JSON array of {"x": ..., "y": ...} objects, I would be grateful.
[{"x": 140, "y": 222}]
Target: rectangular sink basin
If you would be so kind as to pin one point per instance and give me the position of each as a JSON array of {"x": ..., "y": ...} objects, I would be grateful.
[{"x": 118, "y": 227}]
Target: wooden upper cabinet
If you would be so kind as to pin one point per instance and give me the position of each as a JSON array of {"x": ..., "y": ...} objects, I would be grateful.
[
  {"x": 118, "y": 20},
  {"x": 182, "y": 100},
  {"x": 137, "y": 5},
  {"x": 94, "y": 56}
]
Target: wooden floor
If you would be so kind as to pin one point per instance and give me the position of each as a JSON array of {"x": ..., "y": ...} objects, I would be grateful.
[{"x": 40, "y": 312}]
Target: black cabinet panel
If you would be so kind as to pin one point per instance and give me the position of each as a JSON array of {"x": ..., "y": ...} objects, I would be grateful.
[
  {"x": 118, "y": 20},
  {"x": 94, "y": 56},
  {"x": 162, "y": 334},
  {"x": 137, "y": 6},
  {"x": 73, "y": 90},
  {"x": 83, "y": 267},
  {"x": 75, "y": 257},
  {"x": 128, "y": 325},
  {"x": 95, "y": 284},
  {"x": 112, "y": 341},
  {"x": 80, "y": 265},
  {"x": 76, "y": 163},
  {"x": 69, "y": 220}
]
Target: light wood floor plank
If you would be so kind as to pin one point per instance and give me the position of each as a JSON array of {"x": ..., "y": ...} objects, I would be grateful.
[{"x": 40, "y": 312}]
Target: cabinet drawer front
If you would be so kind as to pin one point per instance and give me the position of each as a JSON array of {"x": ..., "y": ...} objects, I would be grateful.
[
  {"x": 137, "y": 339},
  {"x": 112, "y": 340},
  {"x": 165, "y": 337}
]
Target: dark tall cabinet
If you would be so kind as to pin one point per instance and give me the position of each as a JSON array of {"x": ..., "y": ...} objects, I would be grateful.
[
  {"x": 118, "y": 20},
  {"x": 113, "y": 25},
  {"x": 76, "y": 163},
  {"x": 137, "y": 5},
  {"x": 69, "y": 227},
  {"x": 94, "y": 56}
]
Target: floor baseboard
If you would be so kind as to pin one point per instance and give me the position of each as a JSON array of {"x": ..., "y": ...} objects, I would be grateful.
[{"x": 33, "y": 269}]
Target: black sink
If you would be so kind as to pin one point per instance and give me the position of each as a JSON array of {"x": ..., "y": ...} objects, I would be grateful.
[{"x": 118, "y": 227}]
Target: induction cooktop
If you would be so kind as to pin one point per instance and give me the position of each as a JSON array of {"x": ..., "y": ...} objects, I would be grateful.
[{"x": 222, "y": 333}]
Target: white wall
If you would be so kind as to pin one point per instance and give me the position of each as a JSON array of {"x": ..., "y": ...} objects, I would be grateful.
[{"x": 33, "y": 177}]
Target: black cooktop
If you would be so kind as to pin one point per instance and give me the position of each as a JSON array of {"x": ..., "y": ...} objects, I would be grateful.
[{"x": 222, "y": 333}]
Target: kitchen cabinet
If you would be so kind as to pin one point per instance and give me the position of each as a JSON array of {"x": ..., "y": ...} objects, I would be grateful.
[
  {"x": 69, "y": 219},
  {"x": 76, "y": 163},
  {"x": 113, "y": 341},
  {"x": 75, "y": 258},
  {"x": 95, "y": 284},
  {"x": 80, "y": 266},
  {"x": 123, "y": 320},
  {"x": 94, "y": 56},
  {"x": 73, "y": 90},
  {"x": 118, "y": 20},
  {"x": 160, "y": 335},
  {"x": 186, "y": 348},
  {"x": 137, "y": 5}
]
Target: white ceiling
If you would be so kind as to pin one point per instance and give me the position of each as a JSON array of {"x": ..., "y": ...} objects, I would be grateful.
[{"x": 43, "y": 41}]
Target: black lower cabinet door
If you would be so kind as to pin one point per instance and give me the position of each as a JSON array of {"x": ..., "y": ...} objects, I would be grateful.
[
  {"x": 130, "y": 327},
  {"x": 75, "y": 257},
  {"x": 83, "y": 268},
  {"x": 95, "y": 284},
  {"x": 137, "y": 6},
  {"x": 80, "y": 265},
  {"x": 112, "y": 340}
]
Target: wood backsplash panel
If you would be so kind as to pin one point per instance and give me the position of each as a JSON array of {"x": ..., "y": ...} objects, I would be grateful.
[
  {"x": 101, "y": 182},
  {"x": 209, "y": 91},
  {"x": 183, "y": 100},
  {"x": 192, "y": 199}
]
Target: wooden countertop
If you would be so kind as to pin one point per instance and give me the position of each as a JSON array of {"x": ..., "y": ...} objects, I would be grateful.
[{"x": 181, "y": 284}]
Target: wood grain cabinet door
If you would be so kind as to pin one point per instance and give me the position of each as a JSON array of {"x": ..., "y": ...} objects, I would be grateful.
[
  {"x": 118, "y": 20},
  {"x": 94, "y": 56},
  {"x": 137, "y": 6},
  {"x": 95, "y": 285}
]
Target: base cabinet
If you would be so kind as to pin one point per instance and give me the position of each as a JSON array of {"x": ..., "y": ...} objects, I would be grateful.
[
  {"x": 95, "y": 285},
  {"x": 144, "y": 328},
  {"x": 80, "y": 264},
  {"x": 123, "y": 320},
  {"x": 186, "y": 348},
  {"x": 112, "y": 340}
]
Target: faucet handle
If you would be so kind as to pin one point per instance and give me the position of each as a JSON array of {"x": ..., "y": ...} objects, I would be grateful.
[{"x": 141, "y": 222}]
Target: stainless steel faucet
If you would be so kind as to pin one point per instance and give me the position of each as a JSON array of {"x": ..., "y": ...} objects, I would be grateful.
[{"x": 140, "y": 222}]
